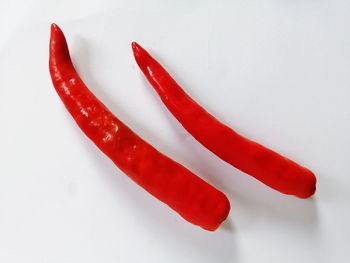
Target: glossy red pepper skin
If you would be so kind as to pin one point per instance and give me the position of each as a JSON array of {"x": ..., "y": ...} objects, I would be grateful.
[
  {"x": 267, "y": 166},
  {"x": 190, "y": 196}
]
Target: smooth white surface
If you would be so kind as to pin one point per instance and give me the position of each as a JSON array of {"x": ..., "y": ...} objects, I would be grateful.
[{"x": 276, "y": 71}]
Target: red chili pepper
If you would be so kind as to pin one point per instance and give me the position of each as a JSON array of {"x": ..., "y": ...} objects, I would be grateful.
[
  {"x": 190, "y": 196},
  {"x": 267, "y": 166}
]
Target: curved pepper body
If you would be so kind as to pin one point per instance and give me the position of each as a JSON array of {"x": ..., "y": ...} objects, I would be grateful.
[
  {"x": 190, "y": 196},
  {"x": 267, "y": 166}
]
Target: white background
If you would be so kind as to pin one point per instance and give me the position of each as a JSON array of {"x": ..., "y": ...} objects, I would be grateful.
[{"x": 278, "y": 71}]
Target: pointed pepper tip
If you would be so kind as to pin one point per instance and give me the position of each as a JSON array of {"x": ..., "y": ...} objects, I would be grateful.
[{"x": 135, "y": 47}]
